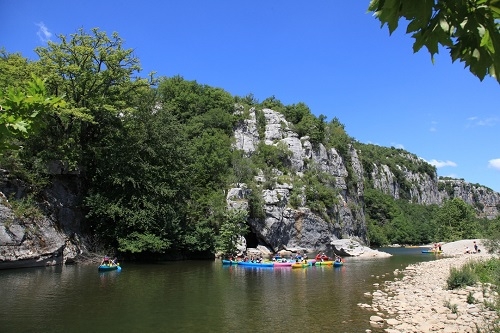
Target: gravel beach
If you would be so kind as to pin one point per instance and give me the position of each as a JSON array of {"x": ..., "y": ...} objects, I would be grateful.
[{"x": 417, "y": 300}]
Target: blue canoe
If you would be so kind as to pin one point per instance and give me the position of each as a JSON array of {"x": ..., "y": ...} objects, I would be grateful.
[
  {"x": 255, "y": 264},
  {"x": 106, "y": 268},
  {"x": 338, "y": 263},
  {"x": 229, "y": 262},
  {"x": 432, "y": 251}
]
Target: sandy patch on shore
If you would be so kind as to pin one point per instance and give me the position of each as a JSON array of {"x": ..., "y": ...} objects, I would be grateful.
[{"x": 459, "y": 247}]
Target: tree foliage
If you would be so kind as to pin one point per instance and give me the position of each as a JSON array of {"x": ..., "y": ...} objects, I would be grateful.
[
  {"x": 468, "y": 29},
  {"x": 138, "y": 183},
  {"x": 456, "y": 220},
  {"x": 19, "y": 109},
  {"x": 232, "y": 227},
  {"x": 95, "y": 74},
  {"x": 402, "y": 222}
]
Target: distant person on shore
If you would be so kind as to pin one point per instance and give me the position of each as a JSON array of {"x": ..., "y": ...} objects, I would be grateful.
[
  {"x": 467, "y": 250},
  {"x": 476, "y": 248}
]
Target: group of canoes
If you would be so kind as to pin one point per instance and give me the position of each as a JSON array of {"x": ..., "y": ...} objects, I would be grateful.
[{"x": 277, "y": 261}]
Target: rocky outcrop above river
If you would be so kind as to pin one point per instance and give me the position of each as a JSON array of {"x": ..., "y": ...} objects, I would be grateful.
[
  {"x": 29, "y": 235},
  {"x": 485, "y": 200},
  {"x": 285, "y": 226}
]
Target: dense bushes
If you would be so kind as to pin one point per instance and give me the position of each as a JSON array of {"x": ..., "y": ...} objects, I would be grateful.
[
  {"x": 462, "y": 277},
  {"x": 484, "y": 271}
]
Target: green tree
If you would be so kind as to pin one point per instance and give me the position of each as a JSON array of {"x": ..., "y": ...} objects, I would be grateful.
[
  {"x": 337, "y": 137},
  {"x": 255, "y": 202},
  {"x": 139, "y": 191},
  {"x": 206, "y": 114},
  {"x": 296, "y": 112},
  {"x": 493, "y": 235},
  {"x": 468, "y": 29},
  {"x": 456, "y": 220},
  {"x": 16, "y": 70},
  {"x": 20, "y": 111},
  {"x": 272, "y": 103},
  {"x": 233, "y": 226},
  {"x": 97, "y": 76},
  {"x": 243, "y": 167}
]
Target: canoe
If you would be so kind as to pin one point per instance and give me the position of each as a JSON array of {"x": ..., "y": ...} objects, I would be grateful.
[
  {"x": 255, "y": 264},
  {"x": 324, "y": 263},
  {"x": 283, "y": 264},
  {"x": 432, "y": 251},
  {"x": 302, "y": 264},
  {"x": 338, "y": 263},
  {"x": 106, "y": 268},
  {"x": 229, "y": 262}
]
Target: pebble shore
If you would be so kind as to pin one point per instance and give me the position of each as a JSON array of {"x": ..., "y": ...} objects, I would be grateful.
[{"x": 417, "y": 300}]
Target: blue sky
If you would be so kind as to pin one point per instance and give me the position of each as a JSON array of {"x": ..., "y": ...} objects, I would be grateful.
[{"x": 331, "y": 55}]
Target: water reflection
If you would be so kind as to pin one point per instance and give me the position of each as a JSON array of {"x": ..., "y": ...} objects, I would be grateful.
[{"x": 195, "y": 296}]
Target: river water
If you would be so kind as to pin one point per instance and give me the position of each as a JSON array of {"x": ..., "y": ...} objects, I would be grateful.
[{"x": 195, "y": 296}]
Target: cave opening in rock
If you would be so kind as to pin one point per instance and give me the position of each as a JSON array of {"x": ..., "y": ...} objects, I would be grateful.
[{"x": 251, "y": 239}]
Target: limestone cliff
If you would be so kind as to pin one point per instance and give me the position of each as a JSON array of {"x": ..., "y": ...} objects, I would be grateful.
[
  {"x": 44, "y": 234},
  {"x": 423, "y": 189},
  {"x": 286, "y": 227}
]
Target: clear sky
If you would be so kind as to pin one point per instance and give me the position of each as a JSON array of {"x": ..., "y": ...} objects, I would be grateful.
[{"x": 331, "y": 55}]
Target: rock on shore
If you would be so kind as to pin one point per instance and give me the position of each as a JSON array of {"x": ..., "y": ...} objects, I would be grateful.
[
  {"x": 351, "y": 248},
  {"x": 418, "y": 301}
]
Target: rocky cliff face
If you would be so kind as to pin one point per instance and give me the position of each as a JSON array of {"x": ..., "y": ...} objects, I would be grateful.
[
  {"x": 485, "y": 200},
  {"x": 284, "y": 227},
  {"x": 426, "y": 190},
  {"x": 42, "y": 237},
  {"x": 423, "y": 188}
]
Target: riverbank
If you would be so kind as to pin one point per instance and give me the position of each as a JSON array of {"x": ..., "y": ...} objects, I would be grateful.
[{"x": 417, "y": 300}]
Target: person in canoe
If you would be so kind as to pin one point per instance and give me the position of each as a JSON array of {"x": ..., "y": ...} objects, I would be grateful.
[
  {"x": 106, "y": 261},
  {"x": 321, "y": 257}
]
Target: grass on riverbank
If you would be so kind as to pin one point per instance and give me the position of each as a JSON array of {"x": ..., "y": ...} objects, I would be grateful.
[{"x": 484, "y": 271}]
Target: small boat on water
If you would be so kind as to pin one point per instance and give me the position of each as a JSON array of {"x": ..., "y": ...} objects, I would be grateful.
[
  {"x": 255, "y": 264},
  {"x": 112, "y": 267},
  {"x": 338, "y": 263},
  {"x": 303, "y": 264},
  {"x": 109, "y": 265},
  {"x": 432, "y": 251},
  {"x": 283, "y": 263}
]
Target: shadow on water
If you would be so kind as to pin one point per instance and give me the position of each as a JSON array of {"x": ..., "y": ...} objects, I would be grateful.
[{"x": 195, "y": 296}]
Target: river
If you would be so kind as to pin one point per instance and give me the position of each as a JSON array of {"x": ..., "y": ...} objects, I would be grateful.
[{"x": 195, "y": 296}]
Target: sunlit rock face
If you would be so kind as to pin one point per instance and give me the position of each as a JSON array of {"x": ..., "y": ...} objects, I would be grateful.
[
  {"x": 284, "y": 227},
  {"x": 287, "y": 226}
]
